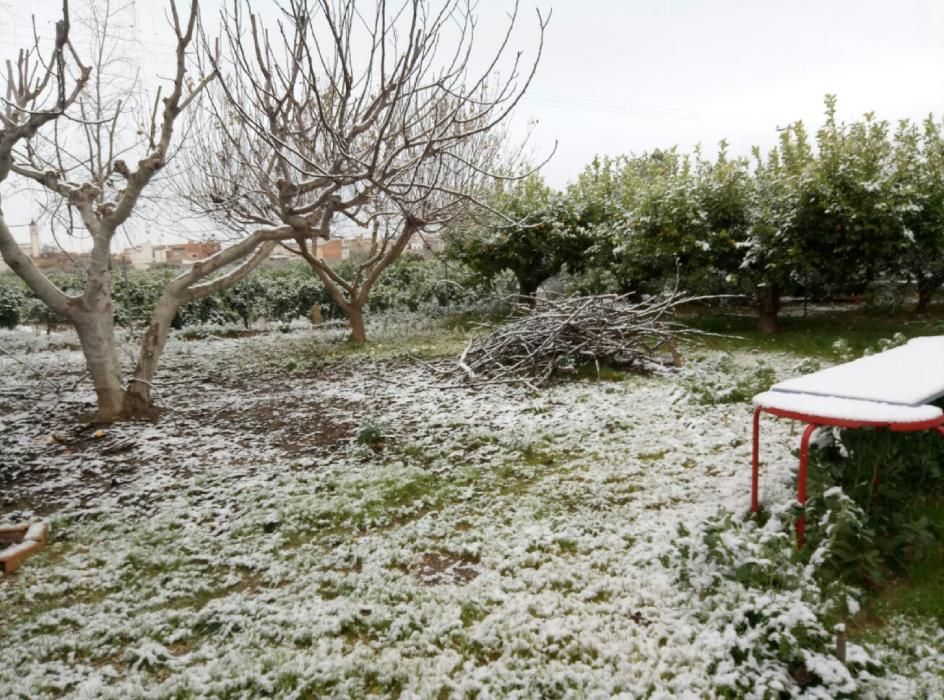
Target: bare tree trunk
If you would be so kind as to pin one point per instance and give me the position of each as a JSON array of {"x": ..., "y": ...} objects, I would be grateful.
[
  {"x": 137, "y": 399},
  {"x": 95, "y": 329},
  {"x": 768, "y": 307},
  {"x": 926, "y": 290},
  {"x": 528, "y": 289},
  {"x": 355, "y": 317},
  {"x": 351, "y": 303}
]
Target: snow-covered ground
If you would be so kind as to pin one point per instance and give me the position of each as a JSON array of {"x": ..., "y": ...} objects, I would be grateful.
[{"x": 471, "y": 544}]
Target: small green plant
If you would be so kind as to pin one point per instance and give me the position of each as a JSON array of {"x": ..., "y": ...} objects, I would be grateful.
[
  {"x": 767, "y": 613},
  {"x": 371, "y": 434},
  {"x": 725, "y": 382}
]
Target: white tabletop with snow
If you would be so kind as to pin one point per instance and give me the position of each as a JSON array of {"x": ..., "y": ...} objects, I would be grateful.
[{"x": 909, "y": 375}]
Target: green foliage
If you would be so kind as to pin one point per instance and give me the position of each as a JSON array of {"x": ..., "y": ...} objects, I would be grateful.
[
  {"x": 135, "y": 294},
  {"x": 31, "y": 309},
  {"x": 844, "y": 214},
  {"x": 767, "y": 614},
  {"x": 917, "y": 184},
  {"x": 413, "y": 283},
  {"x": 11, "y": 302},
  {"x": 870, "y": 492},
  {"x": 276, "y": 294},
  {"x": 540, "y": 233},
  {"x": 858, "y": 207},
  {"x": 290, "y": 292},
  {"x": 371, "y": 434},
  {"x": 727, "y": 383}
]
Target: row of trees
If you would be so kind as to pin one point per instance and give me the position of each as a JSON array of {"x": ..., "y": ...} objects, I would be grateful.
[
  {"x": 860, "y": 203},
  {"x": 272, "y": 294},
  {"x": 364, "y": 115}
]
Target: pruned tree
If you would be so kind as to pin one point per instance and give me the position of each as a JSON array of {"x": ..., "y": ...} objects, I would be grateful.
[
  {"x": 86, "y": 170},
  {"x": 390, "y": 236},
  {"x": 352, "y": 117},
  {"x": 100, "y": 191},
  {"x": 38, "y": 91}
]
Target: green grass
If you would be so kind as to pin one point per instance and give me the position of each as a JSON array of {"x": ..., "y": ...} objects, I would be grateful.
[
  {"x": 917, "y": 592},
  {"x": 591, "y": 372},
  {"x": 814, "y": 335}
]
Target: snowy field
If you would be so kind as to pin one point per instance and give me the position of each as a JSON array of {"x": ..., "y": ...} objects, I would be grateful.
[{"x": 305, "y": 527}]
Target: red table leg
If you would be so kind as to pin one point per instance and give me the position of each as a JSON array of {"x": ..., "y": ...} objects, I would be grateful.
[
  {"x": 813, "y": 422},
  {"x": 801, "y": 480},
  {"x": 756, "y": 462}
]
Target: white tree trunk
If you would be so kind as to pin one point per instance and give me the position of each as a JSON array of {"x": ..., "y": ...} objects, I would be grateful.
[
  {"x": 137, "y": 402},
  {"x": 95, "y": 328}
]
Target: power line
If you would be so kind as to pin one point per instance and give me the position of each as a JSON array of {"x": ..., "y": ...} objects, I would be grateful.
[{"x": 634, "y": 109}]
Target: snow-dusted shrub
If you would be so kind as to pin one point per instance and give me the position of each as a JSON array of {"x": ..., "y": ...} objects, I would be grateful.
[
  {"x": 722, "y": 381},
  {"x": 843, "y": 350},
  {"x": 840, "y": 538},
  {"x": 11, "y": 299},
  {"x": 885, "y": 296},
  {"x": 895, "y": 341},
  {"x": 765, "y": 613},
  {"x": 869, "y": 495}
]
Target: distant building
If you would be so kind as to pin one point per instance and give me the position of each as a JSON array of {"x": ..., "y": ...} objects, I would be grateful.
[
  {"x": 356, "y": 250},
  {"x": 426, "y": 244},
  {"x": 177, "y": 255},
  {"x": 331, "y": 251},
  {"x": 139, "y": 257},
  {"x": 144, "y": 256},
  {"x": 32, "y": 248},
  {"x": 182, "y": 254},
  {"x": 61, "y": 260}
]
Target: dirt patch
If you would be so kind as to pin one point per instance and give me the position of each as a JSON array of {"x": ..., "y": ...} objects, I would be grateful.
[
  {"x": 305, "y": 429},
  {"x": 437, "y": 568},
  {"x": 50, "y": 459},
  {"x": 219, "y": 334}
]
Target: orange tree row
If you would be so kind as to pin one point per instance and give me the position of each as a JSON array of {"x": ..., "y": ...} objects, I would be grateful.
[{"x": 857, "y": 204}]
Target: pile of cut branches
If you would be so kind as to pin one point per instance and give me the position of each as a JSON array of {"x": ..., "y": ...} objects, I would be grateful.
[{"x": 565, "y": 334}]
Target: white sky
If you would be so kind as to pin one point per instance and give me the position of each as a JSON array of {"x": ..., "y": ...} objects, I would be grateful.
[{"x": 634, "y": 75}]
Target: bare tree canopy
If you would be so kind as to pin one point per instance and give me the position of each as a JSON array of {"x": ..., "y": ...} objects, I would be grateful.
[
  {"x": 340, "y": 116},
  {"x": 38, "y": 91},
  {"x": 93, "y": 184}
]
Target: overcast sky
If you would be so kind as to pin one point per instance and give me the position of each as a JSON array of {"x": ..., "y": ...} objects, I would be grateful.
[{"x": 621, "y": 76}]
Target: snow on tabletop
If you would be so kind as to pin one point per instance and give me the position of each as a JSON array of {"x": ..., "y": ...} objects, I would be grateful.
[
  {"x": 911, "y": 375},
  {"x": 846, "y": 409}
]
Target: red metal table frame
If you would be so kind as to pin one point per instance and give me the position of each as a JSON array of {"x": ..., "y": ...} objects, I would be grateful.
[{"x": 813, "y": 422}]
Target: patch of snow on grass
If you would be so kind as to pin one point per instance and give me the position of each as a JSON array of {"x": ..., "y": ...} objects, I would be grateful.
[{"x": 495, "y": 542}]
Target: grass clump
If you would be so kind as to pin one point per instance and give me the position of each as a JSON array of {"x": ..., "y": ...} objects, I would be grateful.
[
  {"x": 371, "y": 434},
  {"x": 723, "y": 381}
]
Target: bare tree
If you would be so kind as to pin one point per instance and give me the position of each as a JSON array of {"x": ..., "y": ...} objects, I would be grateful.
[
  {"x": 347, "y": 116},
  {"x": 100, "y": 190}
]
